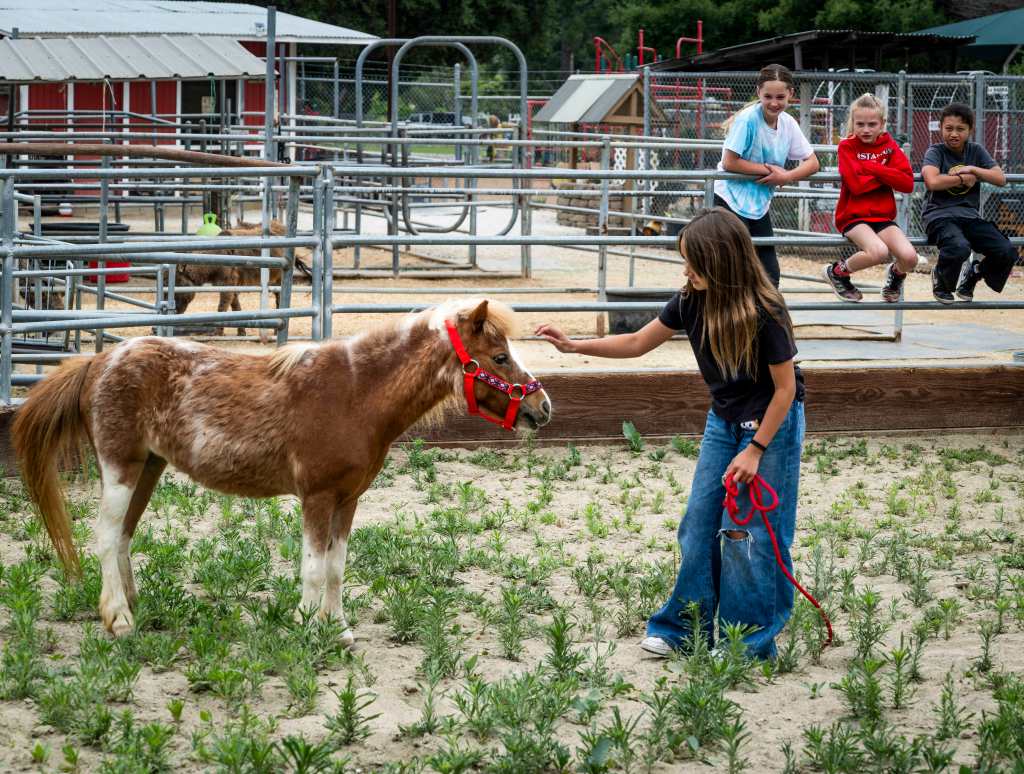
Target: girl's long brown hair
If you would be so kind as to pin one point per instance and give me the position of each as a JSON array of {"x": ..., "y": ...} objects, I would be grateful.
[{"x": 717, "y": 248}]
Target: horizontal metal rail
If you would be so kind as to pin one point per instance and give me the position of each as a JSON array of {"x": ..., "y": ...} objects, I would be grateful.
[
  {"x": 135, "y": 319},
  {"x": 654, "y": 306}
]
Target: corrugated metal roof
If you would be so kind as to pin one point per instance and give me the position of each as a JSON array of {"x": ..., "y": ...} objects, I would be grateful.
[
  {"x": 57, "y": 18},
  {"x": 23, "y": 60},
  {"x": 584, "y": 99}
]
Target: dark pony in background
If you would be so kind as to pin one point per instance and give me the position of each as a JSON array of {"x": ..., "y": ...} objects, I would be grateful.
[
  {"x": 314, "y": 420},
  {"x": 194, "y": 274}
]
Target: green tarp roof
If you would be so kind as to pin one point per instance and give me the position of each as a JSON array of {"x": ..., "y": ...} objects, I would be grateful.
[{"x": 995, "y": 35}]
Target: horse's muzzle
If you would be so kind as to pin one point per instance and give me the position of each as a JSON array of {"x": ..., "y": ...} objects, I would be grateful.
[{"x": 536, "y": 418}]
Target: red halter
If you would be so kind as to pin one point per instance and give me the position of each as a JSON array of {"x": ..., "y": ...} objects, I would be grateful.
[{"x": 472, "y": 372}]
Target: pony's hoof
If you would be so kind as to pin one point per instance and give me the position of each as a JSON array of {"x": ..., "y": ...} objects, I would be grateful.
[
  {"x": 348, "y": 639},
  {"x": 122, "y": 625}
]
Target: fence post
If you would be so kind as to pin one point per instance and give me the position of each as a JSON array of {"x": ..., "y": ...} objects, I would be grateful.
[
  {"x": 287, "y": 274},
  {"x": 902, "y": 220},
  {"x": 337, "y": 92},
  {"x": 525, "y": 224},
  {"x": 170, "y": 305},
  {"x": 10, "y": 215},
  {"x": 474, "y": 157},
  {"x": 979, "y": 127},
  {"x": 901, "y": 111},
  {"x": 602, "y": 223},
  {"x": 320, "y": 232},
  {"x": 327, "y": 305},
  {"x": 101, "y": 278},
  {"x": 648, "y": 185},
  {"x": 457, "y": 79}
]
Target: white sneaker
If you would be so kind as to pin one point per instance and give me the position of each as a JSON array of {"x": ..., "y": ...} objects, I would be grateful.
[{"x": 656, "y": 646}]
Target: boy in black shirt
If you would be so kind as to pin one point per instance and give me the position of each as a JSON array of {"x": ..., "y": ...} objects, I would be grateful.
[{"x": 952, "y": 170}]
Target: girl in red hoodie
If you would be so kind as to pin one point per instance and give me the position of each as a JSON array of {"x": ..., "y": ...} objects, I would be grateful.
[{"x": 871, "y": 166}]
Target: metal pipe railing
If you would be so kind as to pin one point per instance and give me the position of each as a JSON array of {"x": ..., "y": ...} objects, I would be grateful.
[{"x": 321, "y": 187}]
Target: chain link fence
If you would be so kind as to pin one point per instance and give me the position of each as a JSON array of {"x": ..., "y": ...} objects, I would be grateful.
[{"x": 697, "y": 106}]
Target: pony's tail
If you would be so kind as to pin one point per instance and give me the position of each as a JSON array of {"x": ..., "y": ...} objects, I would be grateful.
[
  {"x": 303, "y": 267},
  {"x": 49, "y": 430}
]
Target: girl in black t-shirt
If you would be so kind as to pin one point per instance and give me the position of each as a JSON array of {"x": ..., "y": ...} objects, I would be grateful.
[{"x": 742, "y": 338}]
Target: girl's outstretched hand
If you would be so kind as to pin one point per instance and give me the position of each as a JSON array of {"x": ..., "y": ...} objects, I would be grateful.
[
  {"x": 552, "y": 334},
  {"x": 744, "y": 465}
]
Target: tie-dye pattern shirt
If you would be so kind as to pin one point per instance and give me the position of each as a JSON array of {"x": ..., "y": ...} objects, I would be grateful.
[{"x": 752, "y": 139}]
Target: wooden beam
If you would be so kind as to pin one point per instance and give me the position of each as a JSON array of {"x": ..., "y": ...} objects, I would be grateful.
[
  {"x": 590, "y": 406},
  {"x": 166, "y": 152}
]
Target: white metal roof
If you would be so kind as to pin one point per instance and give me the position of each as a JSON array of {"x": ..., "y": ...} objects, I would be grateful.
[
  {"x": 23, "y": 60},
  {"x": 585, "y": 98},
  {"x": 59, "y": 18}
]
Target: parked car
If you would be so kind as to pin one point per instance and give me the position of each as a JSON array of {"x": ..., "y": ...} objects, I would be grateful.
[{"x": 437, "y": 118}]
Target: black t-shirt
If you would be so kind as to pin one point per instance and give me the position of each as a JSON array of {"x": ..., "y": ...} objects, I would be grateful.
[
  {"x": 747, "y": 396},
  {"x": 954, "y": 202}
]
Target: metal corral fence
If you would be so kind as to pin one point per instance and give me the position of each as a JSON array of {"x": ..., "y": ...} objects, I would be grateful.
[{"x": 30, "y": 259}]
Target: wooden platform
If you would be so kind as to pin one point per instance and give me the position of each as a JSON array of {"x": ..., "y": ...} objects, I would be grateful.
[{"x": 590, "y": 406}]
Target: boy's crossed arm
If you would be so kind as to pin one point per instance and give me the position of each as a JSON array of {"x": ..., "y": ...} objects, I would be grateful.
[{"x": 935, "y": 180}]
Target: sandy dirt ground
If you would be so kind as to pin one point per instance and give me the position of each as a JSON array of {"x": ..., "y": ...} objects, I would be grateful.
[
  {"x": 869, "y": 509},
  {"x": 920, "y": 523}
]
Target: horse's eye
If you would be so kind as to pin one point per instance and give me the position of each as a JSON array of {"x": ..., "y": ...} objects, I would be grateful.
[{"x": 501, "y": 359}]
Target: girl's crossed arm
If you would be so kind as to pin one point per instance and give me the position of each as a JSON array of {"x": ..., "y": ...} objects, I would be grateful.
[{"x": 769, "y": 174}]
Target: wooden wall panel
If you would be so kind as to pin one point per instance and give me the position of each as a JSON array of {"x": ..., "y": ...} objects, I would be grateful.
[{"x": 589, "y": 405}]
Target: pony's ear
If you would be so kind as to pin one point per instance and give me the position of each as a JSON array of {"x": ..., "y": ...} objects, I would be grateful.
[{"x": 478, "y": 317}]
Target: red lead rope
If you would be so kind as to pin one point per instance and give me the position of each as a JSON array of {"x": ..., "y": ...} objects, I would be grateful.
[{"x": 756, "y": 489}]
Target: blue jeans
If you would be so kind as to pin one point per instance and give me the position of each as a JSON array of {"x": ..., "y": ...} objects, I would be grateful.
[{"x": 738, "y": 578}]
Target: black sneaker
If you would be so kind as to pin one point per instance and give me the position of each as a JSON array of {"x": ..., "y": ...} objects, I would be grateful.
[
  {"x": 842, "y": 286},
  {"x": 969, "y": 276},
  {"x": 942, "y": 295},
  {"x": 893, "y": 284}
]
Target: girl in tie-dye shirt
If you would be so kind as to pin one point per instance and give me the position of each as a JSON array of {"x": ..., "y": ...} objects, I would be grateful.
[{"x": 761, "y": 138}]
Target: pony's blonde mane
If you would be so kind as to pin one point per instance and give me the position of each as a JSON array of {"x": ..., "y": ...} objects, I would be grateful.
[
  {"x": 284, "y": 360},
  {"x": 501, "y": 320},
  {"x": 500, "y": 317}
]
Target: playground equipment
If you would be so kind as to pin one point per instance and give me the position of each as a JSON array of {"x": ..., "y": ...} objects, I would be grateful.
[{"x": 607, "y": 59}]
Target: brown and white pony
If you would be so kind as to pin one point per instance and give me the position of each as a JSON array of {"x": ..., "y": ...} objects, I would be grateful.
[{"x": 312, "y": 420}]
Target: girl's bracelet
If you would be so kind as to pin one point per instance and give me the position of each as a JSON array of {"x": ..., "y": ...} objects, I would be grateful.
[{"x": 758, "y": 445}]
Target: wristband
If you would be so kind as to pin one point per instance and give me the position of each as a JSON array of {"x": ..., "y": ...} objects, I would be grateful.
[
  {"x": 758, "y": 445},
  {"x": 961, "y": 176}
]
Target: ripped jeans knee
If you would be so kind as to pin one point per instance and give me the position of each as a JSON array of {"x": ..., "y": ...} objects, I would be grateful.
[{"x": 734, "y": 537}]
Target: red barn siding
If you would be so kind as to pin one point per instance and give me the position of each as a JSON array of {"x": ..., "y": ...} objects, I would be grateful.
[{"x": 141, "y": 101}]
